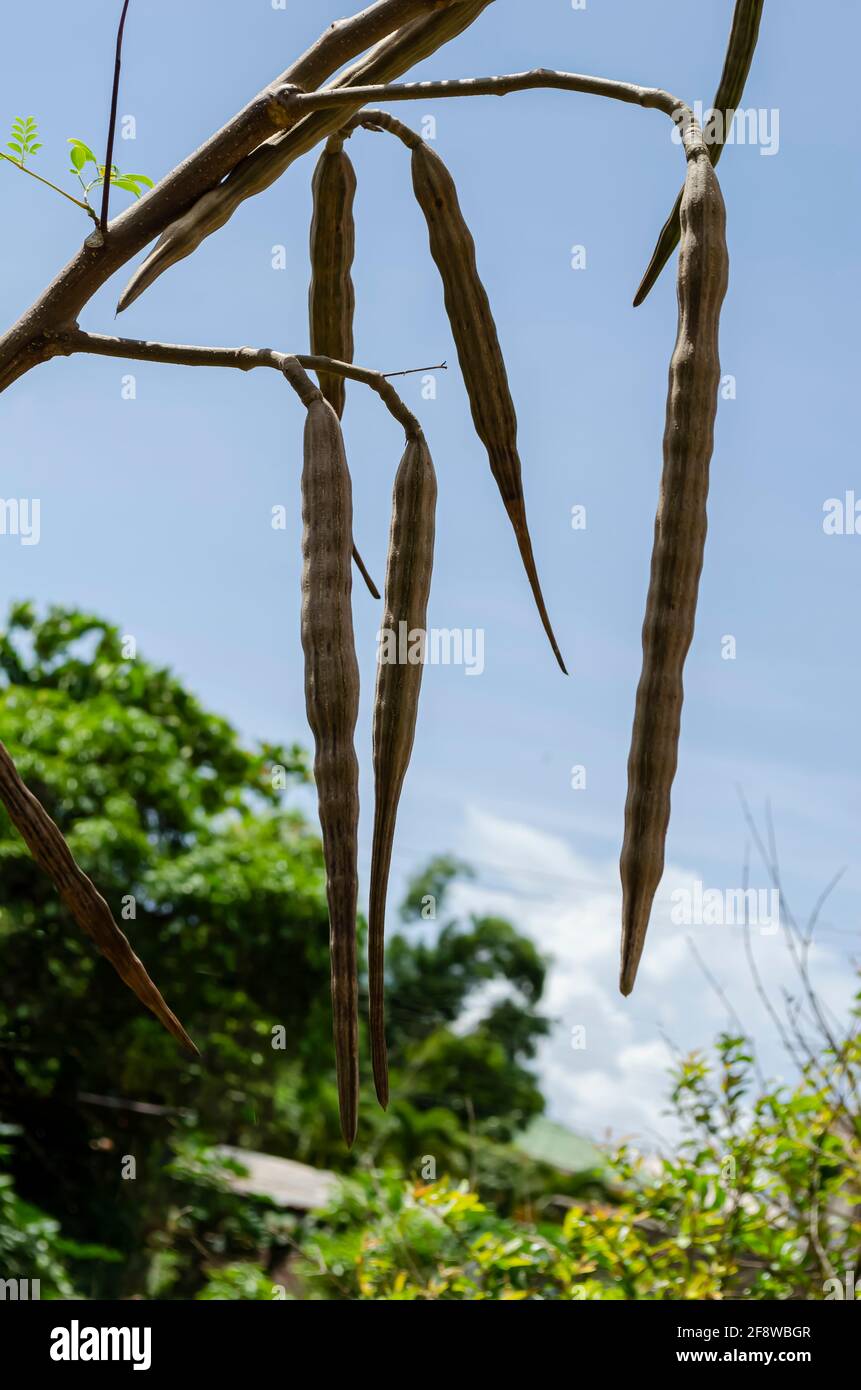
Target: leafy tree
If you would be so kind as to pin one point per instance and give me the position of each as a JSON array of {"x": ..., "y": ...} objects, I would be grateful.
[{"x": 219, "y": 885}]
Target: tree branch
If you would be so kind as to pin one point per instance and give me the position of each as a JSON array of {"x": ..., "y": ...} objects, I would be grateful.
[
  {"x": 26, "y": 343},
  {"x": 329, "y": 108},
  {"x": 390, "y": 59},
  {"x": 293, "y": 366},
  {"x": 654, "y": 97}
]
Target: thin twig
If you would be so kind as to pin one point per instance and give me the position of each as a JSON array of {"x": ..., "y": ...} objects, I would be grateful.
[
  {"x": 793, "y": 937},
  {"x": 112, "y": 123},
  {"x": 410, "y": 371},
  {"x": 728, "y": 1005},
  {"x": 757, "y": 978},
  {"x": 244, "y": 359},
  {"x": 48, "y": 184},
  {"x": 382, "y": 121},
  {"x": 653, "y": 97}
]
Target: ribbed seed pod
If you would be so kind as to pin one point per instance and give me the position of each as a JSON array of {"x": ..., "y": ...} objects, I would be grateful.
[
  {"x": 89, "y": 909},
  {"x": 478, "y": 350},
  {"x": 408, "y": 580},
  {"x": 739, "y": 56},
  {"x": 677, "y": 556},
  {"x": 332, "y": 703},
  {"x": 331, "y": 297}
]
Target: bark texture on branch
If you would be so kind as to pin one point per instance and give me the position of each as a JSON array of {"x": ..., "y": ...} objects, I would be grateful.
[
  {"x": 26, "y": 343},
  {"x": 252, "y": 175}
]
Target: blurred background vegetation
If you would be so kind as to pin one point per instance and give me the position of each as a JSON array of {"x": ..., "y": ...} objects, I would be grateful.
[{"x": 461, "y": 1190}]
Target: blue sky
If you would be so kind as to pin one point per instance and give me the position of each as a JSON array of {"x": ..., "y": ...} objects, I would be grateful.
[{"x": 156, "y": 512}]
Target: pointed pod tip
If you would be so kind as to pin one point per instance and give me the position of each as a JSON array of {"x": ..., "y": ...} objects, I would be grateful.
[
  {"x": 631, "y": 953},
  {"x": 516, "y": 508},
  {"x": 133, "y": 290},
  {"x": 380, "y": 1062},
  {"x": 173, "y": 1025}
]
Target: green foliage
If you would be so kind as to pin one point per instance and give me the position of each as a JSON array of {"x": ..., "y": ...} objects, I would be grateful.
[
  {"x": 81, "y": 156},
  {"x": 24, "y": 143},
  {"x": 239, "y": 1281},
  {"x": 219, "y": 884},
  {"x": 24, "y": 139},
  {"x": 31, "y": 1246},
  {"x": 432, "y": 982},
  {"x": 761, "y": 1201},
  {"x": 383, "y": 1239}
]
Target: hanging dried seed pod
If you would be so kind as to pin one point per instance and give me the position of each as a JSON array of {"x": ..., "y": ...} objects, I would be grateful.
[
  {"x": 739, "y": 56},
  {"x": 332, "y": 703},
  {"x": 86, "y": 904},
  {"x": 677, "y": 556},
  {"x": 478, "y": 350},
  {"x": 331, "y": 297},
  {"x": 408, "y": 579}
]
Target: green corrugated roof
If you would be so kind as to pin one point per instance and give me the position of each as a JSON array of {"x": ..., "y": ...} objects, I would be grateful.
[{"x": 546, "y": 1142}]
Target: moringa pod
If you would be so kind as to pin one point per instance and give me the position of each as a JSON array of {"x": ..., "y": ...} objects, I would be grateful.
[
  {"x": 408, "y": 580},
  {"x": 478, "y": 350},
  {"x": 677, "y": 554},
  {"x": 86, "y": 904},
  {"x": 741, "y": 47},
  {"x": 332, "y": 703},
  {"x": 331, "y": 297}
]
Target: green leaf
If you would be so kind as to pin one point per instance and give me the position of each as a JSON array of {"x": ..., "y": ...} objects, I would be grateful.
[
  {"x": 121, "y": 181},
  {"x": 34, "y": 148},
  {"x": 141, "y": 178},
  {"x": 78, "y": 156},
  {"x": 89, "y": 157},
  {"x": 13, "y": 146}
]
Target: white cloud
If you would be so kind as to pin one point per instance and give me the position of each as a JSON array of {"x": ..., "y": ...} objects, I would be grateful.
[{"x": 570, "y": 905}]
